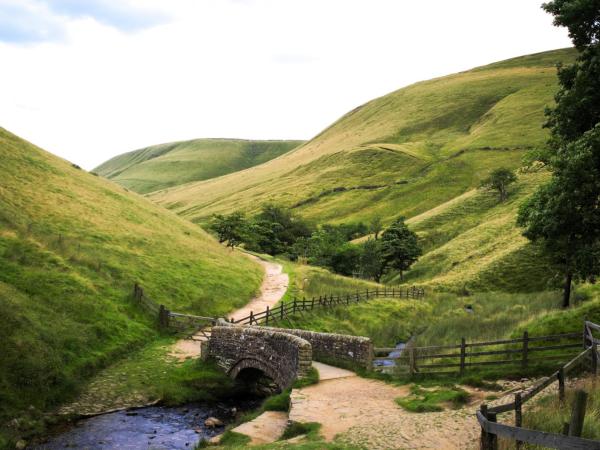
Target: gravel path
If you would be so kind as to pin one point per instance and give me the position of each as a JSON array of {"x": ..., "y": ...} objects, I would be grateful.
[
  {"x": 272, "y": 290},
  {"x": 363, "y": 412}
]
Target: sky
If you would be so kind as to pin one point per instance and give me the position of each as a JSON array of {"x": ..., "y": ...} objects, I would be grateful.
[{"x": 90, "y": 79}]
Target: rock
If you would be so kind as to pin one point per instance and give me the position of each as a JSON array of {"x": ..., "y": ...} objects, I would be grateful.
[
  {"x": 20, "y": 445},
  {"x": 213, "y": 422},
  {"x": 215, "y": 440}
]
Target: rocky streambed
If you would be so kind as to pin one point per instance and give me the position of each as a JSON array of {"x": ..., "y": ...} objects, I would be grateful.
[{"x": 153, "y": 427}]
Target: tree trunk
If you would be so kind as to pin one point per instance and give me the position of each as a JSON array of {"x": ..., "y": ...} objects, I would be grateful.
[{"x": 567, "y": 290}]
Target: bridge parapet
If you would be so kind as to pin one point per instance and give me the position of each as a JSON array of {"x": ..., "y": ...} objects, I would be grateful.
[
  {"x": 281, "y": 356},
  {"x": 336, "y": 348}
]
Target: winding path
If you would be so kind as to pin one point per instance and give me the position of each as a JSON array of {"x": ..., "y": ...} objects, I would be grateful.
[{"x": 273, "y": 288}]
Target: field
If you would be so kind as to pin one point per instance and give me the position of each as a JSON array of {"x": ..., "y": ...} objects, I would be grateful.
[
  {"x": 71, "y": 247},
  {"x": 166, "y": 165}
]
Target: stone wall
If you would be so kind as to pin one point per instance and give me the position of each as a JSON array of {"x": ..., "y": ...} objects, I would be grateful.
[
  {"x": 280, "y": 355},
  {"x": 332, "y": 348}
]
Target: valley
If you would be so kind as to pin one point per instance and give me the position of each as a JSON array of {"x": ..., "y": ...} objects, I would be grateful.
[{"x": 74, "y": 243}]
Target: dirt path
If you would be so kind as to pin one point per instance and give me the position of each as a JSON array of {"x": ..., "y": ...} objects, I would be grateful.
[
  {"x": 273, "y": 288},
  {"x": 363, "y": 412}
]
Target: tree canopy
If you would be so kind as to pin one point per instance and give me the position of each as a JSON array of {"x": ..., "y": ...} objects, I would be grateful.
[{"x": 564, "y": 214}]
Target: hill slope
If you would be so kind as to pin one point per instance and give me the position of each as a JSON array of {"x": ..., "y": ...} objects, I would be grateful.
[
  {"x": 419, "y": 152},
  {"x": 403, "y": 153},
  {"x": 71, "y": 247},
  {"x": 166, "y": 165}
]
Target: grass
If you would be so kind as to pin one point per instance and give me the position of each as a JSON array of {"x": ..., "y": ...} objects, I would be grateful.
[
  {"x": 441, "y": 136},
  {"x": 419, "y": 152},
  {"x": 549, "y": 414},
  {"x": 430, "y": 400},
  {"x": 71, "y": 247},
  {"x": 166, "y": 165}
]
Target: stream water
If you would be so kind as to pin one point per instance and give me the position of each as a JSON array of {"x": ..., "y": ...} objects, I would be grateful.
[
  {"x": 154, "y": 427},
  {"x": 400, "y": 346}
]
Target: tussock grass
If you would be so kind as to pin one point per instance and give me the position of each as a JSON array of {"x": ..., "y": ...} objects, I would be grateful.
[{"x": 549, "y": 414}]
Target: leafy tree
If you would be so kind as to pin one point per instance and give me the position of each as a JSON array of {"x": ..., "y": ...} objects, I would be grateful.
[
  {"x": 400, "y": 247},
  {"x": 371, "y": 264},
  {"x": 564, "y": 214},
  {"x": 230, "y": 228},
  {"x": 346, "y": 259},
  {"x": 376, "y": 226},
  {"x": 499, "y": 180}
]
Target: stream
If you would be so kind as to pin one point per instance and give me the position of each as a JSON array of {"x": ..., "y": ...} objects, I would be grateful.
[{"x": 153, "y": 427}]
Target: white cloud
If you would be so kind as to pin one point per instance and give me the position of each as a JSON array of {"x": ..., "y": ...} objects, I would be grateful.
[{"x": 255, "y": 69}]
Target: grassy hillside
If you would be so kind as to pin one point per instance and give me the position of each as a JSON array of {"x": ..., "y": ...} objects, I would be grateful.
[
  {"x": 71, "y": 246},
  {"x": 403, "y": 153},
  {"x": 420, "y": 152},
  {"x": 166, "y": 165}
]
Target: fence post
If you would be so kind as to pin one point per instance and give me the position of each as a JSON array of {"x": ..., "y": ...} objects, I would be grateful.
[
  {"x": 281, "y": 311},
  {"x": 163, "y": 317},
  {"x": 483, "y": 438},
  {"x": 518, "y": 415},
  {"x": 412, "y": 361},
  {"x": 251, "y": 317},
  {"x": 463, "y": 351},
  {"x": 320, "y": 300},
  {"x": 492, "y": 439},
  {"x": 393, "y": 292},
  {"x": 232, "y": 320},
  {"x": 303, "y": 303},
  {"x": 367, "y": 293},
  {"x": 561, "y": 384},
  {"x": 294, "y": 306},
  {"x": 578, "y": 414},
  {"x": 594, "y": 359},
  {"x": 347, "y": 299},
  {"x": 267, "y": 320},
  {"x": 312, "y": 304},
  {"x": 525, "y": 349}
]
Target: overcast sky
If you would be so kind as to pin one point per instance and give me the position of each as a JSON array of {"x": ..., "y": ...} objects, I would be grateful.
[{"x": 89, "y": 79}]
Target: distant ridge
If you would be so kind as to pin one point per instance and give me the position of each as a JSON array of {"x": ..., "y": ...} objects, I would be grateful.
[{"x": 171, "y": 164}]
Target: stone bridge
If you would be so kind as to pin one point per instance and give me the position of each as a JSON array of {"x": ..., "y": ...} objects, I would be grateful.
[{"x": 282, "y": 355}]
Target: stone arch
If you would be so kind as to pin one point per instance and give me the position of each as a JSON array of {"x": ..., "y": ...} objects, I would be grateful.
[{"x": 261, "y": 365}]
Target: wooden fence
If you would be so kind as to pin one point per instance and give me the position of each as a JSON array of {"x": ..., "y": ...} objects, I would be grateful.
[
  {"x": 286, "y": 309},
  {"x": 167, "y": 319},
  {"x": 487, "y": 417},
  {"x": 459, "y": 357}
]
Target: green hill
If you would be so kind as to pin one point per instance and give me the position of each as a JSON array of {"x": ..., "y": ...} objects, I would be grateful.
[
  {"x": 71, "y": 247},
  {"x": 418, "y": 152},
  {"x": 166, "y": 165}
]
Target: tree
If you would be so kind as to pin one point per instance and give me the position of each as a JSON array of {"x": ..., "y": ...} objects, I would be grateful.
[
  {"x": 230, "y": 228},
  {"x": 370, "y": 262},
  {"x": 564, "y": 214},
  {"x": 499, "y": 180},
  {"x": 375, "y": 226},
  {"x": 400, "y": 247},
  {"x": 346, "y": 259}
]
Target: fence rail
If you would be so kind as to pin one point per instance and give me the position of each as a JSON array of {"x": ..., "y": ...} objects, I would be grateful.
[
  {"x": 286, "y": 309},
  {"x": 487, "y": 417},
  {"x": 167, "y": 319},
  {"x": 465, "y": 355}
]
